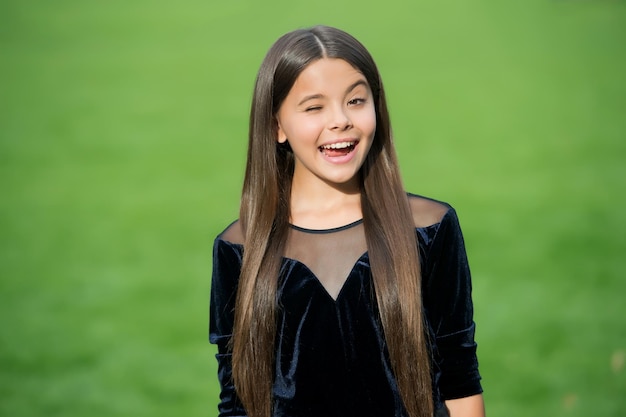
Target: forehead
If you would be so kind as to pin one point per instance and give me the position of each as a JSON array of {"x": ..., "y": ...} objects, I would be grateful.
[{"x": 325, "y": 76}]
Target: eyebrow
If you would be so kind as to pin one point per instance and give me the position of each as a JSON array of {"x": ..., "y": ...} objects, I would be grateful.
[{"x": 350, "y": 88}]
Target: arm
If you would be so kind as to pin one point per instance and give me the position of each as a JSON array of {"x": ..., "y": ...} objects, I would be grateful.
[
  {"x": 226, "y": 268},
  {"x": 449, "y": 309},
  {"x": 472, "y": 406}
]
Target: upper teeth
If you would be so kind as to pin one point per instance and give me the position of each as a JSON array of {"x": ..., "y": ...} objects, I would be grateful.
[{"x": 338, "y": 145}]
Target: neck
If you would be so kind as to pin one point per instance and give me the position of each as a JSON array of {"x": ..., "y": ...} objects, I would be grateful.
[{"x": 319, "y": 205}]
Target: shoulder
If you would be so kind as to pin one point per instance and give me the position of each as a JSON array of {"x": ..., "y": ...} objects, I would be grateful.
[
  {"x": 227, "y": 253},
  {"x": 232, "y": 234},
  {"x": 427, "y": 211}
]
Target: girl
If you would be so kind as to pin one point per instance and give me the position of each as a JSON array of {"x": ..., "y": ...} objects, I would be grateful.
[{"x": 336, "y": 293}]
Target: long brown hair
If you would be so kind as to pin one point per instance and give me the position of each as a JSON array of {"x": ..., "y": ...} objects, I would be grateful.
[{"x": 264, "y": 216}]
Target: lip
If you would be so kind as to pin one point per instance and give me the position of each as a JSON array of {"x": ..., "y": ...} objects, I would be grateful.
[{"x": 343, "y": 158}]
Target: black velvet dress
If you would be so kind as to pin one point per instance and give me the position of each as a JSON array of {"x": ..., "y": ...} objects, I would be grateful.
[{"x": 331, "y": 357}]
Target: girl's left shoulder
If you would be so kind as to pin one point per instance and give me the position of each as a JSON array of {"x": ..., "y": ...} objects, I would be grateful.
[{"x": 427, "y": 211}]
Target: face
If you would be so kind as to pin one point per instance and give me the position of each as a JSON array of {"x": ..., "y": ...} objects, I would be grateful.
[{"x": 329, "y": 120}]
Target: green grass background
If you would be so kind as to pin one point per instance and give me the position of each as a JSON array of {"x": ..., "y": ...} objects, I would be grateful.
[{"x": 122, "y": 141}]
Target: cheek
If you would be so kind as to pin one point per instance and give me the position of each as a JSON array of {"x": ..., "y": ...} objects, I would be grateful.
[
  {"x": 304, "y": 128},
  {"x": 367, "y": 122}
]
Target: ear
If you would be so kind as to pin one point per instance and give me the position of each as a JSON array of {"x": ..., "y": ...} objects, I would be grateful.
[{"x": 281, "y": 137}]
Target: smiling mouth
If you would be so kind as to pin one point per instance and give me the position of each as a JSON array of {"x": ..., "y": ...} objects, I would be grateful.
[{"x": 338, "y": 149}]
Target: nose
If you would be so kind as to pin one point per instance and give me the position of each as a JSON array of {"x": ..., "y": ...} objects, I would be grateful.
[{"x": 339, "y": 119}]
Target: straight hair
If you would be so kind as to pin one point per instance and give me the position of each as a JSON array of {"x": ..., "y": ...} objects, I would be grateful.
[{"x": 264, "y": 217}]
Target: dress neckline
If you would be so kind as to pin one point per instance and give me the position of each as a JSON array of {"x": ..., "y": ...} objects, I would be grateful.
[{"x": 331, "y": 230}]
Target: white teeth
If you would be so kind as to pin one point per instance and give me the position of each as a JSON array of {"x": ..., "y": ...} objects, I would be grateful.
[{"x": 338, "y": 145}]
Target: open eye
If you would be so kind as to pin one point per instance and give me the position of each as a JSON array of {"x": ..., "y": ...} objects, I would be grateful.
[{"x": 356, "y": 101}]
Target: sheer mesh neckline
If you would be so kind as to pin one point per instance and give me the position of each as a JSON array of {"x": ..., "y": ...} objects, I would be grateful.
[
  {"x": 324, "y": 231},
  {"x": 329, "y": 255}
]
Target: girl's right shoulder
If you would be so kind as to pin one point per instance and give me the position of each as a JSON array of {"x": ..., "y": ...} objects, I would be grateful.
[{"x": 232, "y": 234}]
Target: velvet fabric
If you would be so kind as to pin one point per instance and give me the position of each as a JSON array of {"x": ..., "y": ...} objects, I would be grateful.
[{"x": 331, "y": 357}]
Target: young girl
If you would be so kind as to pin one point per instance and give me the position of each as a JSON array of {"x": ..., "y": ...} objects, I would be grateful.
[{"x": 336, "y": 293}]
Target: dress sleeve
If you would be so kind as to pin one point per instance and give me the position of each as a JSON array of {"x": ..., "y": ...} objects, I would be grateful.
[
  {"x": 226, "y": 269},
  {"x": 449, "y": 308}
]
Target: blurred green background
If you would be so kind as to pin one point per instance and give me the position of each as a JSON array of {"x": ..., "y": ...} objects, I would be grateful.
[{"x": 122, "y": 144}]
